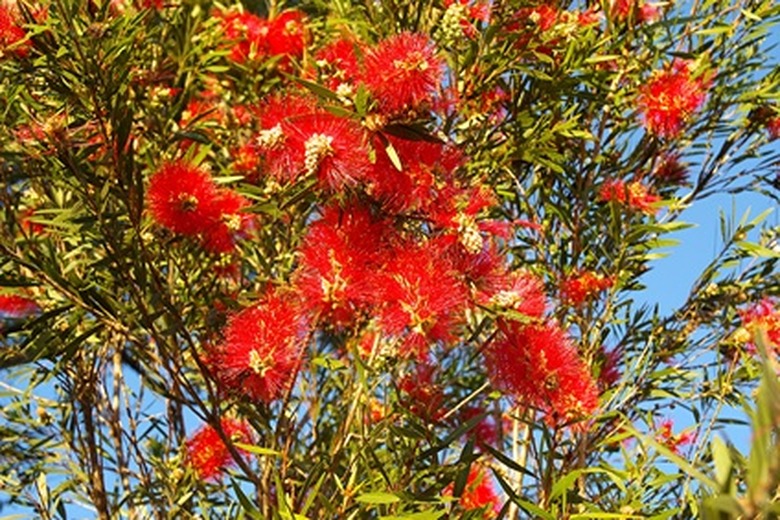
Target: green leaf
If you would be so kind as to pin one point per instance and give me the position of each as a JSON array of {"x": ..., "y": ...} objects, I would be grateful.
[
  {"x": 316, "y": 88},
  {"x": 722, "y": 460},
  {"x": 378, "y": 498},
  {"x": 257, "y": 450},
  {"x": 674, "y": 458}
]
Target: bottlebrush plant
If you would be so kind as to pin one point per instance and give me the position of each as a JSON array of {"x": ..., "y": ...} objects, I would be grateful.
[{"x": 383, "y": 259}]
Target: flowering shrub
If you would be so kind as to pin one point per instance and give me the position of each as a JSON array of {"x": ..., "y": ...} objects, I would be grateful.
[{"x": 380, "y": 259}]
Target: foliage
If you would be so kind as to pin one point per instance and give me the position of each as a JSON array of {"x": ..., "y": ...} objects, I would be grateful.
[{"x": 383, "y": 259}]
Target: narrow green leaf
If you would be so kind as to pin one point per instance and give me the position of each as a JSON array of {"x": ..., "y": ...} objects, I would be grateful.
[
  {"x": 257, "y": 450},
  {"x": 378, "y": 498}
]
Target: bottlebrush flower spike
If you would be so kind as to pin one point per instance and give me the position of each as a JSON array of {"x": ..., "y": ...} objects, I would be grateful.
[
  {"x": 671, "y": 440},
  {"x": 208, "y": 455},
  {"x": 633, "y": 195},
  {"x": 262, "y": 348},
  {"x": 773, "y": 127},
  {"x": 669, "y": 99},
  {"x": 493, "y": 284},
  {"x": 762, "y": 315},
  {"x": 340, "y": 256},
  {"x": 13, "y": 37},
  {"x": 634, "y": 10},
  {"x": 338, "y": 64},
  {"x": 579, "y": 287},
  {"x": 331, "y": 148},
  {"x": 280, "y": 156},
  {"x": 247, "y": 35},
  {"x": 538, "y": 365},
  {"x": 13, "y": 306},
  {"x": 421, "y": 395},
  {"x": 479, "y": 493},
  {"x": 182, "y": 198},
  {"x": 287, "y": 35},
  {"x": 402, "y": 73},
  {"x": 422, "y": 297},
  {"x": 231, "y": 222},
  {"x": 670, "y": 171},
  {"x": 424, "y": 165}
]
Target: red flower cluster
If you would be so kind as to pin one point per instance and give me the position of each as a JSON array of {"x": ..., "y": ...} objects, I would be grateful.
[
  {"x": 13, "y": 37},
  {"x": 254, "y": 39},
  {"x": 671, "y": 440},
  {"x": 633, "y": 195},
  {"x": 479, "y": 493},
  {"x": 421, "y": 395},
  {"x": 637, "y": 11},
  {"x": 582, "y": 286},
  {"x": 466, "y": 15},
  {"x": 208, "y": 455},
  {"x": 609, "y": 369},
  {"x": 184, "y": 199},
  {"x": 402, "y": 72},
  {"x": 669, "y": 170},
  {"x": 538, "y": 364},
  {"x": 355, "y": 266},
  {"x": 13, "y": 306},
  {"x": 262, "y": 349},
  {"x": 773, "y": 127},
  {"x": 670, "y": 98},
  {"x": 299, "y": 139},
  {"x": 763, "y": 315}
]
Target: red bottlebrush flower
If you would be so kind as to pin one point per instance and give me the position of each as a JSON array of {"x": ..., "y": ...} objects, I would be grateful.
[
  {"x": 762, "y": 315},
  {"x": 201, "y": 110},
  {"x": 246, "y": 160},
  {"x": 152, "y": 4},
  {"x": 671, "y": 440},
  {"x": 339, "y": 259},
  {"x": 670, "y": 171},
  {"x": 535, "y": 27},
  {"x": 338, "y": 64},
  {"x": 28, "y": 225},
  {"x": 478, "y": 494},
  {"x": 773, "y": 127},
  {"x": 182, "y": 198},
  {"x": 461, "y": 14},
  {"x": 520, "y": 291},
  {"x": 487, "y": 432},
  {"x": 538, "y": 365},
  {"x": 609, "y": 369},
  {"x": 590, "y": 17},
  {"x": 455, "y": 210},
  {"x": 13, "y": 306},
  {"x": 208, "y": 455},
  {"x": 421, "y": 395},
  {"x": 424, "y": 164},
  {"x": 279, "y": 155},
  {"x": 633, "y": 195},
  {"x": 247, "y": 35},
  {"x": 254, "y": 39},
  {"x": 287, "y": 35},
  {"x": 582, "y": 286},
  {"x": 262, "y": 349},
  {"x": 231, "y": 222},
  {"x": 670, "y": 98},
  {"x": 330, "y": 147},
  {"x": 421, "y": 297},
  {"x": 13, "y": 37},
  {"x": 634, "y": 11},
  {"x": 402, "y": 73}
]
